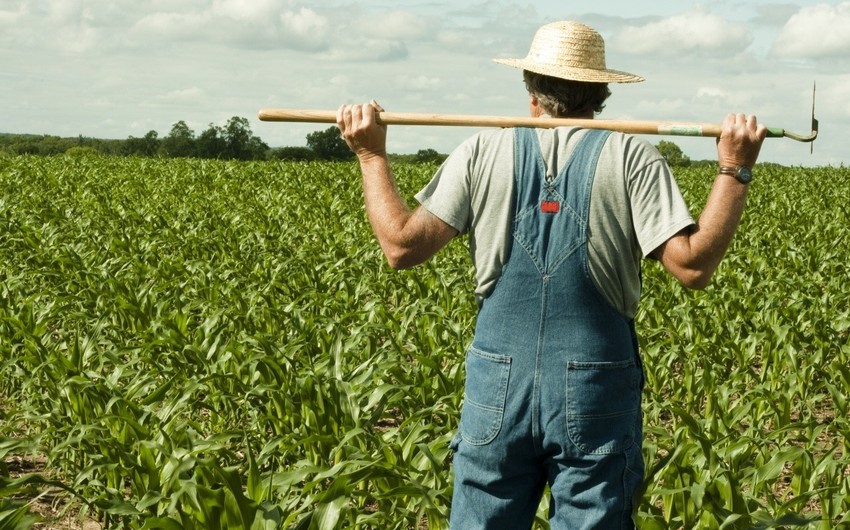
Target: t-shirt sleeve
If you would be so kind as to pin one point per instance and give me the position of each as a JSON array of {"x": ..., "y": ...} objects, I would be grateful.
[
  {"x": 447, "y": 195},
  {"x": 659, "y": 210}
]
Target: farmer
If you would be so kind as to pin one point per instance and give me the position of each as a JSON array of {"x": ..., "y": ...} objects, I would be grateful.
[{"x": 558, "y": 221}]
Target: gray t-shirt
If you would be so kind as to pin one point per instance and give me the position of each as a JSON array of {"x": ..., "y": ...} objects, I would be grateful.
[{"x": 635, "y": 205}]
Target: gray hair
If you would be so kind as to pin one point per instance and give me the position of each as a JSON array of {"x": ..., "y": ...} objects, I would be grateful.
[{"x": 562, "y": 97}]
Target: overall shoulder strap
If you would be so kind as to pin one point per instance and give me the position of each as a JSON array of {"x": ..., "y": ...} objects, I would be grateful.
[
  {"x": 529, "y": 168},
  {"x": 576, "y": 178}
]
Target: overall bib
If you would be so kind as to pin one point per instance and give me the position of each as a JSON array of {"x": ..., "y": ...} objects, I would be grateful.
[{"x": 554, "y": 378}]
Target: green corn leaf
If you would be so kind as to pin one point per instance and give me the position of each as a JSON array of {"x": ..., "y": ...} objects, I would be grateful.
[{"x": 774, "y": 466}]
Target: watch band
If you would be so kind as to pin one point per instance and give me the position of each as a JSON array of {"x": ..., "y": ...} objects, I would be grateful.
[{"x": 742, "y": 174}]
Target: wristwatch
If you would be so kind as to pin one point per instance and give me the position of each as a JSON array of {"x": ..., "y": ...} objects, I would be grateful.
[{"x": 742, "y": 173}]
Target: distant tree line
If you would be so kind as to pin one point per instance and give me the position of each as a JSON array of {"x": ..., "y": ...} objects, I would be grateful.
[
  {"x": 233, "y": 141},
  {"x": 329, "y": 145}
]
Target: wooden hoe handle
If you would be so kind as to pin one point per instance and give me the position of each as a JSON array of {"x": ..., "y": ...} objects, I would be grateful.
[{"x": 671, "y": 128}]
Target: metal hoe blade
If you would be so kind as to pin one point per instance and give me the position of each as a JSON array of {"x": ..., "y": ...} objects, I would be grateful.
[{"x": 776, "y": 133}]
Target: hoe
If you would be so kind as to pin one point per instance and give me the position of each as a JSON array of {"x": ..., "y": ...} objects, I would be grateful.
[{"x": 626, "y": 126}]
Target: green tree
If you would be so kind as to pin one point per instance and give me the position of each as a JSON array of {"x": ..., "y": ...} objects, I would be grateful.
[
  {"x": 180, "y": 142},
  {"x": 237, "y": 136},
  {"x": 241, "y": 143},
  {"x": 82, "y": 151},
  {"x": 212, "y": 143},
  {"x": 673, "y": 154},
  {"x": 293, "y": 153},
  {"x": 45, "y": 145},
  {"x": 329, "y": 145},
  {"x": 429, "y": 155},
  {"x": 148, "y": 145}
]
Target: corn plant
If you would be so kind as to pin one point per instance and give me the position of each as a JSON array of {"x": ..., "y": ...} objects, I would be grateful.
[{"x": 207, "y": 344}]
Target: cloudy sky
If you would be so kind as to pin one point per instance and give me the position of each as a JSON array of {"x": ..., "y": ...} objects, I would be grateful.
[{"x": 120, "y": 68}]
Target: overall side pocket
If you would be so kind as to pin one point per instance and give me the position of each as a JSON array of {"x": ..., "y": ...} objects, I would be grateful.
[{"x": 484, "y": 396}]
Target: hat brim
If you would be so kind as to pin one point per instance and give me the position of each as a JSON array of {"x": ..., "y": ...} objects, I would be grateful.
[{"x": 572, "y": 73}]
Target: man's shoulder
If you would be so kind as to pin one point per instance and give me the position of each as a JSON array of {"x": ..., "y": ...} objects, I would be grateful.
[
  {"x": 484, "y": 144},
  {"x": 494, "y": 135},
  {"x": 633, "y": 145}
]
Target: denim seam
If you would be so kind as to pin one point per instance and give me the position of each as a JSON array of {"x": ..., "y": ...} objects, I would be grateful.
[{"x": 535, "y": 400}]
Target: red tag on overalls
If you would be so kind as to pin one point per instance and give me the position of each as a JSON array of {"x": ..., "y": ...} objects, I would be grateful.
[{"x": 550, "y": 206}]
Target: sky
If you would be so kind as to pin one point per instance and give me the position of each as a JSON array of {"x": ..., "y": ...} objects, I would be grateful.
[{"x": 121, "y": 68}]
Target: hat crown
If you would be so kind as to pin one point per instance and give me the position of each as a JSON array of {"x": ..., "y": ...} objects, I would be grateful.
[
  {"x": 568, "y": 44},
  {"x": 570, "y": 50}
]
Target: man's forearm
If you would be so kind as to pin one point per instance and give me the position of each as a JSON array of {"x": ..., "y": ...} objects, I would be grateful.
[
  {"x": 694, "y": 254},
  {"x": 407, "y": 237},
  {"x": 718, "y": 222},
  {"x": 386, "y": 210}
]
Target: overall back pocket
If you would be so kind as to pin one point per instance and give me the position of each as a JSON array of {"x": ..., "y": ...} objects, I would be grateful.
[
  {"x": 484, "y": 397},
  {"x": 603, "y": 405}
]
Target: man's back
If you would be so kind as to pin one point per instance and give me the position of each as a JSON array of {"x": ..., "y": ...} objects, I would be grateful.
[{"x": 635, "y": 204}]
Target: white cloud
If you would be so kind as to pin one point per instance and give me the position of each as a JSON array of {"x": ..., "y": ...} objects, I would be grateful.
[
  {"x": 421, "y": 83},
  {"x": 304, "y": 29},
  {"x": 9, "y": 17},
  {"x": 249, "y": 10},
  {"x": 80, "y": 41},
  {"x": 712, "y": 93},
  {"x": 835, "y": 96},
  {"x": 696, "y": 31},
  {"x": 366, "y": 50},
  {"x": 340, "y": 80},
  {"x": 62, "y": 26},
  {"x": 184, "y": 95},
  {"x": 741, "y": 98},
  {"x": 64, "y": 11},
  {"x": 393, "y": 25},
  {"x": 304, "y": 22},
  {"x": 170, "y": 26},
  {"x": 665, "y": 108},
  {"x": 454, "y": 39},
  {"x": 819, "y": 31},
  {"x": 77, "y": 26}
]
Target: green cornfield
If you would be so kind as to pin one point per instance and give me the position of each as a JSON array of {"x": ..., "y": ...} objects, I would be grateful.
[{"x": 199, "y": 344}]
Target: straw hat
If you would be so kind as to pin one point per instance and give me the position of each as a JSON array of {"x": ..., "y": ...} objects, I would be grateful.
[{"x": 570, "y": 50}]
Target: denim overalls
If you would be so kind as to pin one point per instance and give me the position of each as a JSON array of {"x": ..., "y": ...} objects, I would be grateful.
[{"x": 554, "y": 379}]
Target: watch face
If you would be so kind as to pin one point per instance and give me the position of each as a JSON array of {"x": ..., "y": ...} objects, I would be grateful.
[{"x": 745, "y": 174}]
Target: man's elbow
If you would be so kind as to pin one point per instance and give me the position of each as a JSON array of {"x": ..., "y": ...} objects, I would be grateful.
[
  {"x": 696, "y": 279},
  {"x": 399, "y": 258},
  {"x": 400, "y": 263},
  {"x": 691, "y": 268}
]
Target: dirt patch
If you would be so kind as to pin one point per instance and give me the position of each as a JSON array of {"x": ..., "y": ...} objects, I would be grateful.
[{"x": 53, "y": 505}]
